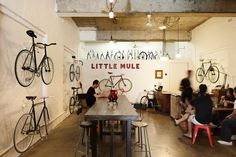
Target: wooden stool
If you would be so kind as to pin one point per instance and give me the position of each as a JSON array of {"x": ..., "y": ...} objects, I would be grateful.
[
  {"x": 85, "y": 125},
  {"x": 205, "y": 127},
  {"x": 142, "y": 133}
]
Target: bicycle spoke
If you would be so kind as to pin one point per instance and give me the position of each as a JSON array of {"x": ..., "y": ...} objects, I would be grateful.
[
  {"x": 23, "y": 133},
  {"x": 24, "y": 68},
  {"x": 72, "y": 105},
  {"x": 72, "y": 72},
  {"x": 77, "y": 73},
  {"x": 47, "y": 70},
  {"x": 44, "y": 123},
  {"x": 200, "y": 74},
  {"x": 125, "y": 85},
  {"x": 213, "y": 74},
  {"x": 105, "y": 85}
]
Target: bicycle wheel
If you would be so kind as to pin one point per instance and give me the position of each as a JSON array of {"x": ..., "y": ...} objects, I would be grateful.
[
  {"x": 72, "y": 72},
  {"x": 144, "y": 101},
  {"x": 72, "y": 105},
  {"x": 44, "y": 127},
  {"x": 47, "y": 70},
  {"x": 213, "y": 74},
  {"x": 105, "y": 85},
  {"x": 23, "y": 133},
  {"x": 118, "y": 55},
  {"x": 200, "y": 74},
  {"x": 24, "y": 68},
  {"x": 125, "y": 85},
  {"x": 142, "y": 55},
  {"x": 77, "y": 73}
]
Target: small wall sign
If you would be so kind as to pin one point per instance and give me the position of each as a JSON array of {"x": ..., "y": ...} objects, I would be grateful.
[{"x": 159, "y": 74}]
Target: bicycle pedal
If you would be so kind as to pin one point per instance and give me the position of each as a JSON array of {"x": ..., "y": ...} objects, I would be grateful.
[
  {"x": 37, "y": 74},
  {"x": 36, "y": 132},
  {"x": 43, "y": 138}
]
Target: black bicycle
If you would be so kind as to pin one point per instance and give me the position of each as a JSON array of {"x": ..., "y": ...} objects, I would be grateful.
[
  {"x": 212, "y": 72},
  {"x": 149, "y": 55},
  {"x": 75, "y": 69},
  {"x": 28, "y": 125},
  {"x": 75, "y": 103},
  {"x": 114, "y": 81},
  {"x": 26, "y": 64}
]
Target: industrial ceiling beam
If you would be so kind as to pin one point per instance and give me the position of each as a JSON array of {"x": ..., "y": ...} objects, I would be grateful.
[
  {"x": 98, "y": 8},
  {"x": 143, "y": 35}
]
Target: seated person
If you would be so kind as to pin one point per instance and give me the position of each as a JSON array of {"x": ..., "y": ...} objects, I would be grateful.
[
  {"x": 227, "y": 126},
  {"x": 189, "y": 109},
  {"x": 203, "y": 110},
  {"x": 227, "y": 101},
  {"x": 92, "y": 95},
  {"x": 186, "y": 97}
]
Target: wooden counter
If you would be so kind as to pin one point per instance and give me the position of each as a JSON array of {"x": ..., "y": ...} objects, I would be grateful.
[{"x": 163, "y": 99}]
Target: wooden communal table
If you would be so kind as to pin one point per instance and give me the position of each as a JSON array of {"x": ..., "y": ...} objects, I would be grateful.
[
  {"x": 222, "y": 109},
  {"x": 100, "y": 111}
]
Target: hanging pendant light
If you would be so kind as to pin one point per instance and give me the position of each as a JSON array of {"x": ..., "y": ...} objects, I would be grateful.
[
  {"x": 165, "y": 55},
  {"x": 178, "y": 55},
  {"x": 110, "y": 6}
]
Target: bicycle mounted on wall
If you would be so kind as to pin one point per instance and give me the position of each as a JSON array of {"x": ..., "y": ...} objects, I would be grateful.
[
  {"x": 75, "y": 69},
  {"x": 212, "y": 72},
  {"x": 123, "y": 84},
  {"x": 75, "y": 101},
  {"x": 26, "y": 64},
  {"x": 28, "y": 125}
]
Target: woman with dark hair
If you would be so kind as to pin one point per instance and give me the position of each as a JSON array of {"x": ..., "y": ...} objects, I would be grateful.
[
  {"x": 227, "y": 125},
  {"x": 228, "y": 99},
  {"x": 203, "y": 110}
]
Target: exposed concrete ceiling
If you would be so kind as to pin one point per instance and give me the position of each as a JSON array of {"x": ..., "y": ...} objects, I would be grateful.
[{"x": 131, "y": 17}]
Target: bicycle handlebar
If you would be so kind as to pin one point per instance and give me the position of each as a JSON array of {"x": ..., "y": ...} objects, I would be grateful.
[
  {"x": 46, "y": 44},
  {"x": 115, "y": 75},
  {"x": 46, "y": 97},
  {"x": 75, "y": 88},
  {"x": 207, "y": 60}
]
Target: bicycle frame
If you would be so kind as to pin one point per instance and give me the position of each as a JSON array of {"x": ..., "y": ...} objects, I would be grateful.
[
  {"x": 111, "y": 78},
  {"x": 33, "y": 55},
  {"x": 206, "y": 70},
  {"x": 32, "y": 112},
  {"x": 75, "y": 91}
]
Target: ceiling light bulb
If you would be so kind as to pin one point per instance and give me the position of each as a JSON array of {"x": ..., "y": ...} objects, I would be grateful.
[
  {"x": 111, "y": 1},
  {"x": 149, "y": 24},
  {"x": 177, "y": 55},
  {"x": 149, "y": 16},
  {"x": 162, "y": 27},
  {"x": 164, "y": 58},
  {"x": 111, "y": 14}
]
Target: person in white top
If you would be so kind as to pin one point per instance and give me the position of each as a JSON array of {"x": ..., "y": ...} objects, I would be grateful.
[{"x": 227, "y": 124}]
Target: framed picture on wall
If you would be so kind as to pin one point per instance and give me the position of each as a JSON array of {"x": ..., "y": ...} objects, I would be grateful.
[{"x": 159, "y": 74}]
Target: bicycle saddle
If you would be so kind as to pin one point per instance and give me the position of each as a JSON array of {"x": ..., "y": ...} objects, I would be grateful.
[
  {"x": 110, "y": 72},
  {"x": 75, "y": 87},
  {"x": 73, "y": 56},
  {"x": 30, "y": 97},
  {"x": 31, "y": 34}
]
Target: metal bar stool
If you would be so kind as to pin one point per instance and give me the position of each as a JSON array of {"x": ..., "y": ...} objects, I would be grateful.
[
  {"x": 142, "y": 133},
  {"x": 85, "y": 125}
]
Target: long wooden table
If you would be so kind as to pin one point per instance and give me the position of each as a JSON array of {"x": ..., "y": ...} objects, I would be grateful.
[
  {"x": 100, "y": 111},
  {"x": 222, "y": 109}
]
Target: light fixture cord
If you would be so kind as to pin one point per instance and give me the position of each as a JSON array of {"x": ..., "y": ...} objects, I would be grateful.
[
  {"x": 111, "y": 29},
  {"x": 178, "y": 37},
  {"x": 164, "y": 42}
]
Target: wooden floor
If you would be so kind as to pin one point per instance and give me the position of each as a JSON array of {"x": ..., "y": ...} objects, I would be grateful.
[{"x": 166, "y": 140}]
